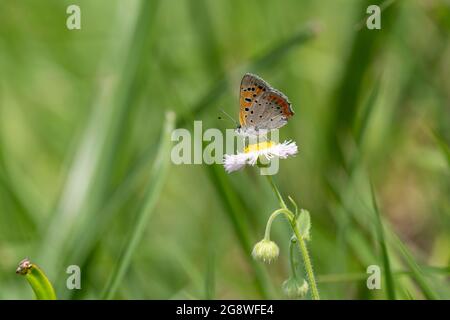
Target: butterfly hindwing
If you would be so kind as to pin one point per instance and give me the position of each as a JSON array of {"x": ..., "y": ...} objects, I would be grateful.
[{"x": 277, "y": 112}]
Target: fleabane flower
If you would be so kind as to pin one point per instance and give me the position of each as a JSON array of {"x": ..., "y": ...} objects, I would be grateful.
[
  {"x": 266, "y": 149},
  {"x": 265, "y": 251}
]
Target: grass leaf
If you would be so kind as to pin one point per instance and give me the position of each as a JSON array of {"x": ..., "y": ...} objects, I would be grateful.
[
  {"x": 416, "y": 270},
  {"x": 390, "y": 285},
  {"x": 156, "y": 182},
  {"x": 37, "y": 279}
]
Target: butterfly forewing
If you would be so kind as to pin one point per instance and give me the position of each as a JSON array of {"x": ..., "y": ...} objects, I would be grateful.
[{"x": 252, "y": 88}]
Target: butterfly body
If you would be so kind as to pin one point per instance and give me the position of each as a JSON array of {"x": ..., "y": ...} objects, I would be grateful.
[{"x": 262, "y": 108}]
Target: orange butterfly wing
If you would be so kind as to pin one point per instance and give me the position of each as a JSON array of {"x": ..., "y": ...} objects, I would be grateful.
[{"x": 252, "y": 88}]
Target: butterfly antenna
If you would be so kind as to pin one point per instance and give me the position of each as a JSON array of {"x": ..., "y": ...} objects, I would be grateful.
[{"x": 230, "y": 117}]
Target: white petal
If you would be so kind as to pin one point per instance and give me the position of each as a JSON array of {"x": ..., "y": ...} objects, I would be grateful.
[
  {"x": 234, "y": 162},
  {"x": 252, "y": 157},
  {"x": 284, "y": 150}
]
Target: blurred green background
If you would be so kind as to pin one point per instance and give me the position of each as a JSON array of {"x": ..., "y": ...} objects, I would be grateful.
[{"x": 81, "y": 120}]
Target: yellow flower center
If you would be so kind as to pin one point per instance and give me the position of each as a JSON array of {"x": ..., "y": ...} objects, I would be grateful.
[{"x": 259, "y": 146}]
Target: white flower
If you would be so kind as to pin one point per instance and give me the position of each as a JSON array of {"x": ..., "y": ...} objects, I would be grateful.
[{"x": 267, "y": 149}]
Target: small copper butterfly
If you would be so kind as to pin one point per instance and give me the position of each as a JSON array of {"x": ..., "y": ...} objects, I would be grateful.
[{"x": 262, "y": 108}]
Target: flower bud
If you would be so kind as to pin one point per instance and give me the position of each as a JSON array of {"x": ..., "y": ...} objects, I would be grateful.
[
  {"x": 265, "y": 251},
  {"x": 294, "y": 288}
]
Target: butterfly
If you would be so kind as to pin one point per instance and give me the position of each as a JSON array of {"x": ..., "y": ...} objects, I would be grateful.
[{"x": 262, "y": 108}]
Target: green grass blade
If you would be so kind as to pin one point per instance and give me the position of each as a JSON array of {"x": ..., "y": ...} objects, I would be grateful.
[
  {"x": 37, "y": 279},
  {"x": 157, "y": 179},
  {"x": 390, "y": 285},
  {"x": 443, "y": 146},
  {"x": 88, "y": 179},
  {"x": 366, "y": 45},
  {"x": 278, "y": 51},
  {"x": 363, "y": 120},
  {"x": 416, "y": 270}
]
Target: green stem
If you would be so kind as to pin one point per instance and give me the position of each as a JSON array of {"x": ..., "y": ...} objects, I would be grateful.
[
  {"x": 300, "y": 241},
  {"x": 269, "y": 225},
  {"x": 277, "y": 192},
  {"x": 307, "y": 262},
  {"x": 289, "y": 215},
  {"x": 295, "y": 206},
  {"x": 292, "y": 257}
]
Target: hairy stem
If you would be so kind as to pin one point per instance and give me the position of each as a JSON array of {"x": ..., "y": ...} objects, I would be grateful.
[
  {"x": 289, "y": 215},
  {"x": 300, "y": 241},
  {"x": 276, "y": 191},
  {"x": 307, "y": 262}
]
